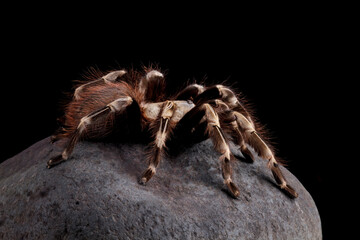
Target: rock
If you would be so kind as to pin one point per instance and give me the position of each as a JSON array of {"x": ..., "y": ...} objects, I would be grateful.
[{"x": 96, "y": 195}]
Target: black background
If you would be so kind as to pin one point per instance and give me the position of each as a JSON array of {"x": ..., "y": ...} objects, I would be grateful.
[{"x": 286, "y": 65}]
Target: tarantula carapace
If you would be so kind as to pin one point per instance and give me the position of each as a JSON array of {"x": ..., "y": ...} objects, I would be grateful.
[{"x": 131, "y": 104}]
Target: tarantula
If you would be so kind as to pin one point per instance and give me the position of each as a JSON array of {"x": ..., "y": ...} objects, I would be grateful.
[{"x": 131, "y": 104}]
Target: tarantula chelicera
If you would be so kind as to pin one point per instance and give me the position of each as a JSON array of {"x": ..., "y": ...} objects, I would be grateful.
[{"x": 131, "y": 104}]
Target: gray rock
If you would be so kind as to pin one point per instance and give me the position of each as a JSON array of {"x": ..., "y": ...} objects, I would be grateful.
[{"x": 96, "y": 195}]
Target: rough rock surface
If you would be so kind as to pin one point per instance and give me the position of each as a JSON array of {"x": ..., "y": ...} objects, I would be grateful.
[{"x": 96, "y": 195}]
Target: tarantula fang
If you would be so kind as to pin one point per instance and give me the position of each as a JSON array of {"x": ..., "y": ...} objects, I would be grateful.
[{"x": 133, "y": 104}]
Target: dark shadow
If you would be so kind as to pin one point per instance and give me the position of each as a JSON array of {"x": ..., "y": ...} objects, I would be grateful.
[
  {"x": 245, "y": 158},
  {"x": 228, "y": 193}
]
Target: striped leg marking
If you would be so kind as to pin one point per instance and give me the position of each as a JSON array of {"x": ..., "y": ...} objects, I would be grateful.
[
  {"x": 110, "y": 77},
  {"x": 221, "y": 145},
  {"x": 159, "y": 142},
  {"x": 118, "y": 105},
  {"x": 253, "y": 139}
]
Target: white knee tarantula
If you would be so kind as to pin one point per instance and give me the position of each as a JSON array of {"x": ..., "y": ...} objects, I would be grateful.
[{"x": 132, "y": 104}]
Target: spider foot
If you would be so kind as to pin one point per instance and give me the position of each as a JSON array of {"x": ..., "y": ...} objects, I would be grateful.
[
  {"x": 53, "y": 139},
  {"x": 232, "y": 188},
  {"x": 280, "y": 180},
  {"x": 289, "y": 191},
  {"x": 55, "y": 161},
  {"x": 147, "y": 176},
  {"x": 142, "y": 181}
]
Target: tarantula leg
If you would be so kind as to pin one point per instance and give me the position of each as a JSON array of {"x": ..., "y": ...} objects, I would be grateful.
[
  {"x": 161, "y": 136},
  {"x": 152, "y": 86},
  {"x": 248, "y": 156},
  {"x": 211, "y": 93},
  {"x": 254, "y": 140},
  {"x": 217, "y": 136},
  {"x": 226, "y": 95},
  {"x": 116, "y": 106},
  {"x": 230, "y": 98},
  {"x": 193, "y": 121},
  {"x": 280, "y": 179},
  {"x": 154, "y": 159},
  {"x": 110, "y": 77},
  {"x": 190, "y": 92},
  {"x": 228, "y": 119}
]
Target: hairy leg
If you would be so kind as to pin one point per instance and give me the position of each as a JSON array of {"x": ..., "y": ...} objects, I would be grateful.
[
  {"x": 117, "y": 106},
  {"x": 194, "y": 119},
  {"x": 220, "y": 143},
  {"x": 224, "y": 94},
  {"x": 152, "y": 86},
  {"x": 227, "y": 119},
  {"x": 241, "y": 126},
  {"x": 110, "y": 77},
  {"x": 190, "y": 92},
  {"x": 251, "y": 137},
  {"x": 162, "y": 129},
  {"x": 244, "y": 131}
]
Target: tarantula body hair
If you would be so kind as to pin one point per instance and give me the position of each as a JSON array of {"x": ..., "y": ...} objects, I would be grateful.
[
  {"x": 133, "y": 105},
  {"x": 84, "y": 113}
]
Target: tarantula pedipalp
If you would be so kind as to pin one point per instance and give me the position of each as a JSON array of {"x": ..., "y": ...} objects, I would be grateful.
[{"x": 132, "y": 104}]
